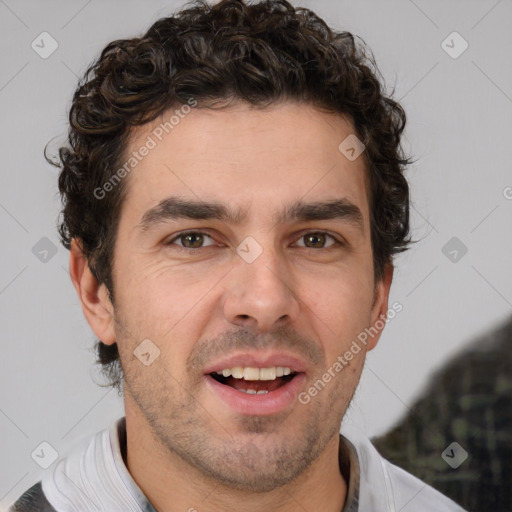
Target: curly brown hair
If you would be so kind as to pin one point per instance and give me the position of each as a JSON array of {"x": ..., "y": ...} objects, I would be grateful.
[{"x": 262, "y": 54}]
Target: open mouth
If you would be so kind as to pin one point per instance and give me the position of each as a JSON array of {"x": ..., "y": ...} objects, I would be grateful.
[{"x": 255, "y": 381}]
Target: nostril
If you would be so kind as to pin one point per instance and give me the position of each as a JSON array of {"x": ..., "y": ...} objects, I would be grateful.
[{"x": 243, "y": 320}]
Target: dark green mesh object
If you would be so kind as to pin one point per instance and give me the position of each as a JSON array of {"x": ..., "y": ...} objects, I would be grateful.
[{"x": 468, "y": 401}]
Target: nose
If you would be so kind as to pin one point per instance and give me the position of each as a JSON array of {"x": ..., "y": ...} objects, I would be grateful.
[{"x": 260, "y": 294}]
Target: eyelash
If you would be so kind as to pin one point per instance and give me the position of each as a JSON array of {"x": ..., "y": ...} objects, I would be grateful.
[{"x": 189, "y": 249}]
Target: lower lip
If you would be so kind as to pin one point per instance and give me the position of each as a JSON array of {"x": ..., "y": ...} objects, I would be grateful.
[{"x": 265, "y": 404}]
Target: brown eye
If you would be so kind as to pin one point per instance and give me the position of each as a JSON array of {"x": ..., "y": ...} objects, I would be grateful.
[
  {"x": 317, "y": 240},
  {"x": 191, "y": 240}
]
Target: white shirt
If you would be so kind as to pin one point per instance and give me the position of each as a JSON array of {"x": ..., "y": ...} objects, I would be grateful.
[{"x": 94, "y": 477}]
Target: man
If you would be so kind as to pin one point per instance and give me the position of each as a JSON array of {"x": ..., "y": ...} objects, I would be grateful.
[{"x": 233, "y": 196}]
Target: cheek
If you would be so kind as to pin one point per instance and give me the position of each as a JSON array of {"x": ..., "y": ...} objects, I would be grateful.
[
  {"x": 342, "y": 300},
  {"x": 340, "y": 308},
  {"x": 163, "y": 302}
]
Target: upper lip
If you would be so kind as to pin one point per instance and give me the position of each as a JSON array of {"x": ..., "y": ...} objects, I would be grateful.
[{"x": 257, "y": 360}]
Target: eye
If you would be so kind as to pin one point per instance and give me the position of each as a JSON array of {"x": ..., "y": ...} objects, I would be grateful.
[
  {"x": 317, "y": 240},
  {"x": 190, "y": 240}
]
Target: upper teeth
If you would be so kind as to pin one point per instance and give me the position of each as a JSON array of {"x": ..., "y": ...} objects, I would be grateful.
[{"x": 251, "y": 373}]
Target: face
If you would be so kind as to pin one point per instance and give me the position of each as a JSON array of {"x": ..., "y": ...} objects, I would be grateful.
[{"x": 270, "y": 268}]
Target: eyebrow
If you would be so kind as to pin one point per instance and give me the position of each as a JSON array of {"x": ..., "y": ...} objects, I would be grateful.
[{"x": 174, "y": 208}]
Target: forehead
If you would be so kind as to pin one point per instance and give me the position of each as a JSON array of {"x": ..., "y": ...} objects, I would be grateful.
[{"x": 247, "y": 157}]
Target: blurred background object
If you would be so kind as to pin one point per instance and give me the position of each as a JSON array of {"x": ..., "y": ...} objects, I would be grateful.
[{"x": 468, "y": 402}]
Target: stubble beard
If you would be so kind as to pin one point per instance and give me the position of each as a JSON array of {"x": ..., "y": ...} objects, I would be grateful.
[{"x": 258, "y": 455}]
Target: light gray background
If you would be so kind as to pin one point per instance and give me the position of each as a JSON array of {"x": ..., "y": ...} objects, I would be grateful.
[{"x": 459, "y": 128}]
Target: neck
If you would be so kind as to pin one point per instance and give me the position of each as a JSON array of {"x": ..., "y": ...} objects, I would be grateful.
[{"x": 172, "y": 485}]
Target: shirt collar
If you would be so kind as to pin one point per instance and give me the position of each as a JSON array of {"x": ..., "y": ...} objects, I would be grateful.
[
  {"x": 118, "y": 442},
  {"x": 349, "y": 468}
]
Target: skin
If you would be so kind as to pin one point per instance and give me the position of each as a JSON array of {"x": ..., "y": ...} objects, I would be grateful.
[{"x": 186, "y": 449}]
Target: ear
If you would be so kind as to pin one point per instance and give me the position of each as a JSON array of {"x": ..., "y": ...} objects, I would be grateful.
[
  {"x": 380, "y": 306},
  {"x": 96, "y": 305}
]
